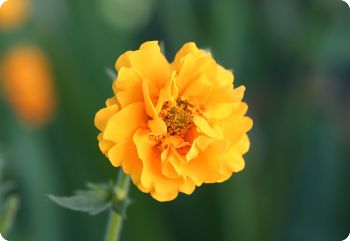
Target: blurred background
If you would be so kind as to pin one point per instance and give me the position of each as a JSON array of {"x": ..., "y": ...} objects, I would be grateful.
[{"x": 292, "y": 55}]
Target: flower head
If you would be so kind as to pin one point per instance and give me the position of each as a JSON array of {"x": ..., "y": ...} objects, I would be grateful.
[
  {"x": 174, "y": 126},
  {"x": 27, "y": 84}
]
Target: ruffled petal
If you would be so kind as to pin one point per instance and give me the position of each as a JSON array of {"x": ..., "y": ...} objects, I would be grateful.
[
  {"x": 201, "y": 143},
  {"x": 233, "y": 159},
  {"x": 243, "y": 145},
  {"x": 219, "y": 111},
  {"x": 112, "y": 101},
  {"x": 236, "y": 125},
  {"x": 118, "y": 153},
  {"x": 152, "y": 179},
  {"x": 168, "y": 93},
  {"x": 122, "y": 125},
  {"x": 204, "y": 168},
  {"x": 200, "y": 90},
  {"x": 221, "y": 98},
  {"x": 102, "y": 116},
  {"x": 194, "y": 70},
  {"x": 127, "y": 87},
  {"x": 188, "y": 48},
  {"x": 104, "y": 145},
  {"x": 188, "y": 187},
  {"x": 151, "y": 64},
  {"x": 150, "y": 45},
  {"x": 156, "y": 124},
  {"x": 224, "y": 77},
  {"x": 169, "y": 165},
  {"x": 131, "y": 162},
  {"x": 204, "y": 127},
  {"x": 125, "y": 155},
  {"x": 123, "y": 61}
]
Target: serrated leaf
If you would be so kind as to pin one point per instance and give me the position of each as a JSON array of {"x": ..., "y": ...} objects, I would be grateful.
[
  {"x": 91, "y": 202},
  {"x": 100, "y": 187}
]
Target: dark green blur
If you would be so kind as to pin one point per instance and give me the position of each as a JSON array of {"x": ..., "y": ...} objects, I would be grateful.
[{"x": 293, "y": 56}]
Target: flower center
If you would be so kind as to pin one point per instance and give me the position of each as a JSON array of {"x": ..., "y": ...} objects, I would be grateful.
[{"x": 179, "y": 117}]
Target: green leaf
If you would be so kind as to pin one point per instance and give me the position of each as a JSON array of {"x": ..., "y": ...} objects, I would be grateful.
[
  {"x": 100, "y": 187},
  {"x": 97, "y": 198},
  {"x": 92, "y": 202}
]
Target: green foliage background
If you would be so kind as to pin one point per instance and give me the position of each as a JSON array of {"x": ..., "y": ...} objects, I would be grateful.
[{"x": 292, "y": 55}]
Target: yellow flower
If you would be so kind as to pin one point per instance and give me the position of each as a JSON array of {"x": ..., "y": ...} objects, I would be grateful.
[
  {"x": 13, "y": 13},
  {"x": 175, "y": 126},
  {"x": 27, "y": 84}
]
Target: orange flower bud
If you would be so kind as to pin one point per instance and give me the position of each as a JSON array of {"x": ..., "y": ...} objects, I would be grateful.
[
  {"x": 27, "y": 85},
  {"x": 13, "y": 13}
]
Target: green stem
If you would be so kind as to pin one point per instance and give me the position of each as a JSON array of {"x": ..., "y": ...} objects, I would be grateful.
[
  {"x": 115, "y": 222},
  {"x": 9, "y": 213}
]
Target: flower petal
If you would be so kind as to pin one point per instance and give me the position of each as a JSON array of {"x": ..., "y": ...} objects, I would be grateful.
[
  {"x": 243, "y": 145},
  {"x": 117, "y": 153},
  {"x": 224, "y": 77},
  {"x": 125, "y": 155},
  {"x": 188, "y": 186},
  {"x": 102, "y": 116},
  {"x": 160, "y": 187},
  {"x": 200, "y": 89},
  {"x": 205, "y": 128},
  {"x": 127, "y": 87},
  {"x": 112, "y": 101},
  {"x": 150, "y": 45},
  {"x": 168, "y": 93},
  {"x": 234, "y": 126},
  {"x": 151, "y": 64},
  {"x": 156, "y": 124},
  {"x": 104, "y": 145},
  {"x": 203, "y": 169},
  {"x": 123, "y": 61},
  {"x": 194, "y": 70},
  {"x": 201, "y": 143},
  {"x": 233, "y": 161},
  {"x": 220, "y": 111},
  {"x": 122, "y": 125},
  {"x": 188, "y": 48}
]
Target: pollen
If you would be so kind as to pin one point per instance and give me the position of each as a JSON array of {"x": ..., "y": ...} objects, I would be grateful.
[{"x": 178, "y": 117}]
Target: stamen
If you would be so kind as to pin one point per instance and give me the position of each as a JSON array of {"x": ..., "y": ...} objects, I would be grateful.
[{"x": 179, "y": 117}]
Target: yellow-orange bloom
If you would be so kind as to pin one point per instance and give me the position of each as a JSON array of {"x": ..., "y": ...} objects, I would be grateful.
[
  {"x": 27, "y": 84},
  {"x": 175, "y": 126},
  {"x": 13, "y": 13}
]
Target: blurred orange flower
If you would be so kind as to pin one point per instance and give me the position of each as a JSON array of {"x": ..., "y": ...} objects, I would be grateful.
[
  {"x": 13, "y": 13},
  {"x": 28, "y": 85},
  {"x": 175, "y": 126}
]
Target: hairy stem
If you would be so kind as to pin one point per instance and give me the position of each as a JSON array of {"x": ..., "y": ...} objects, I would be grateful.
[{"x": 115, "y": 222}]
